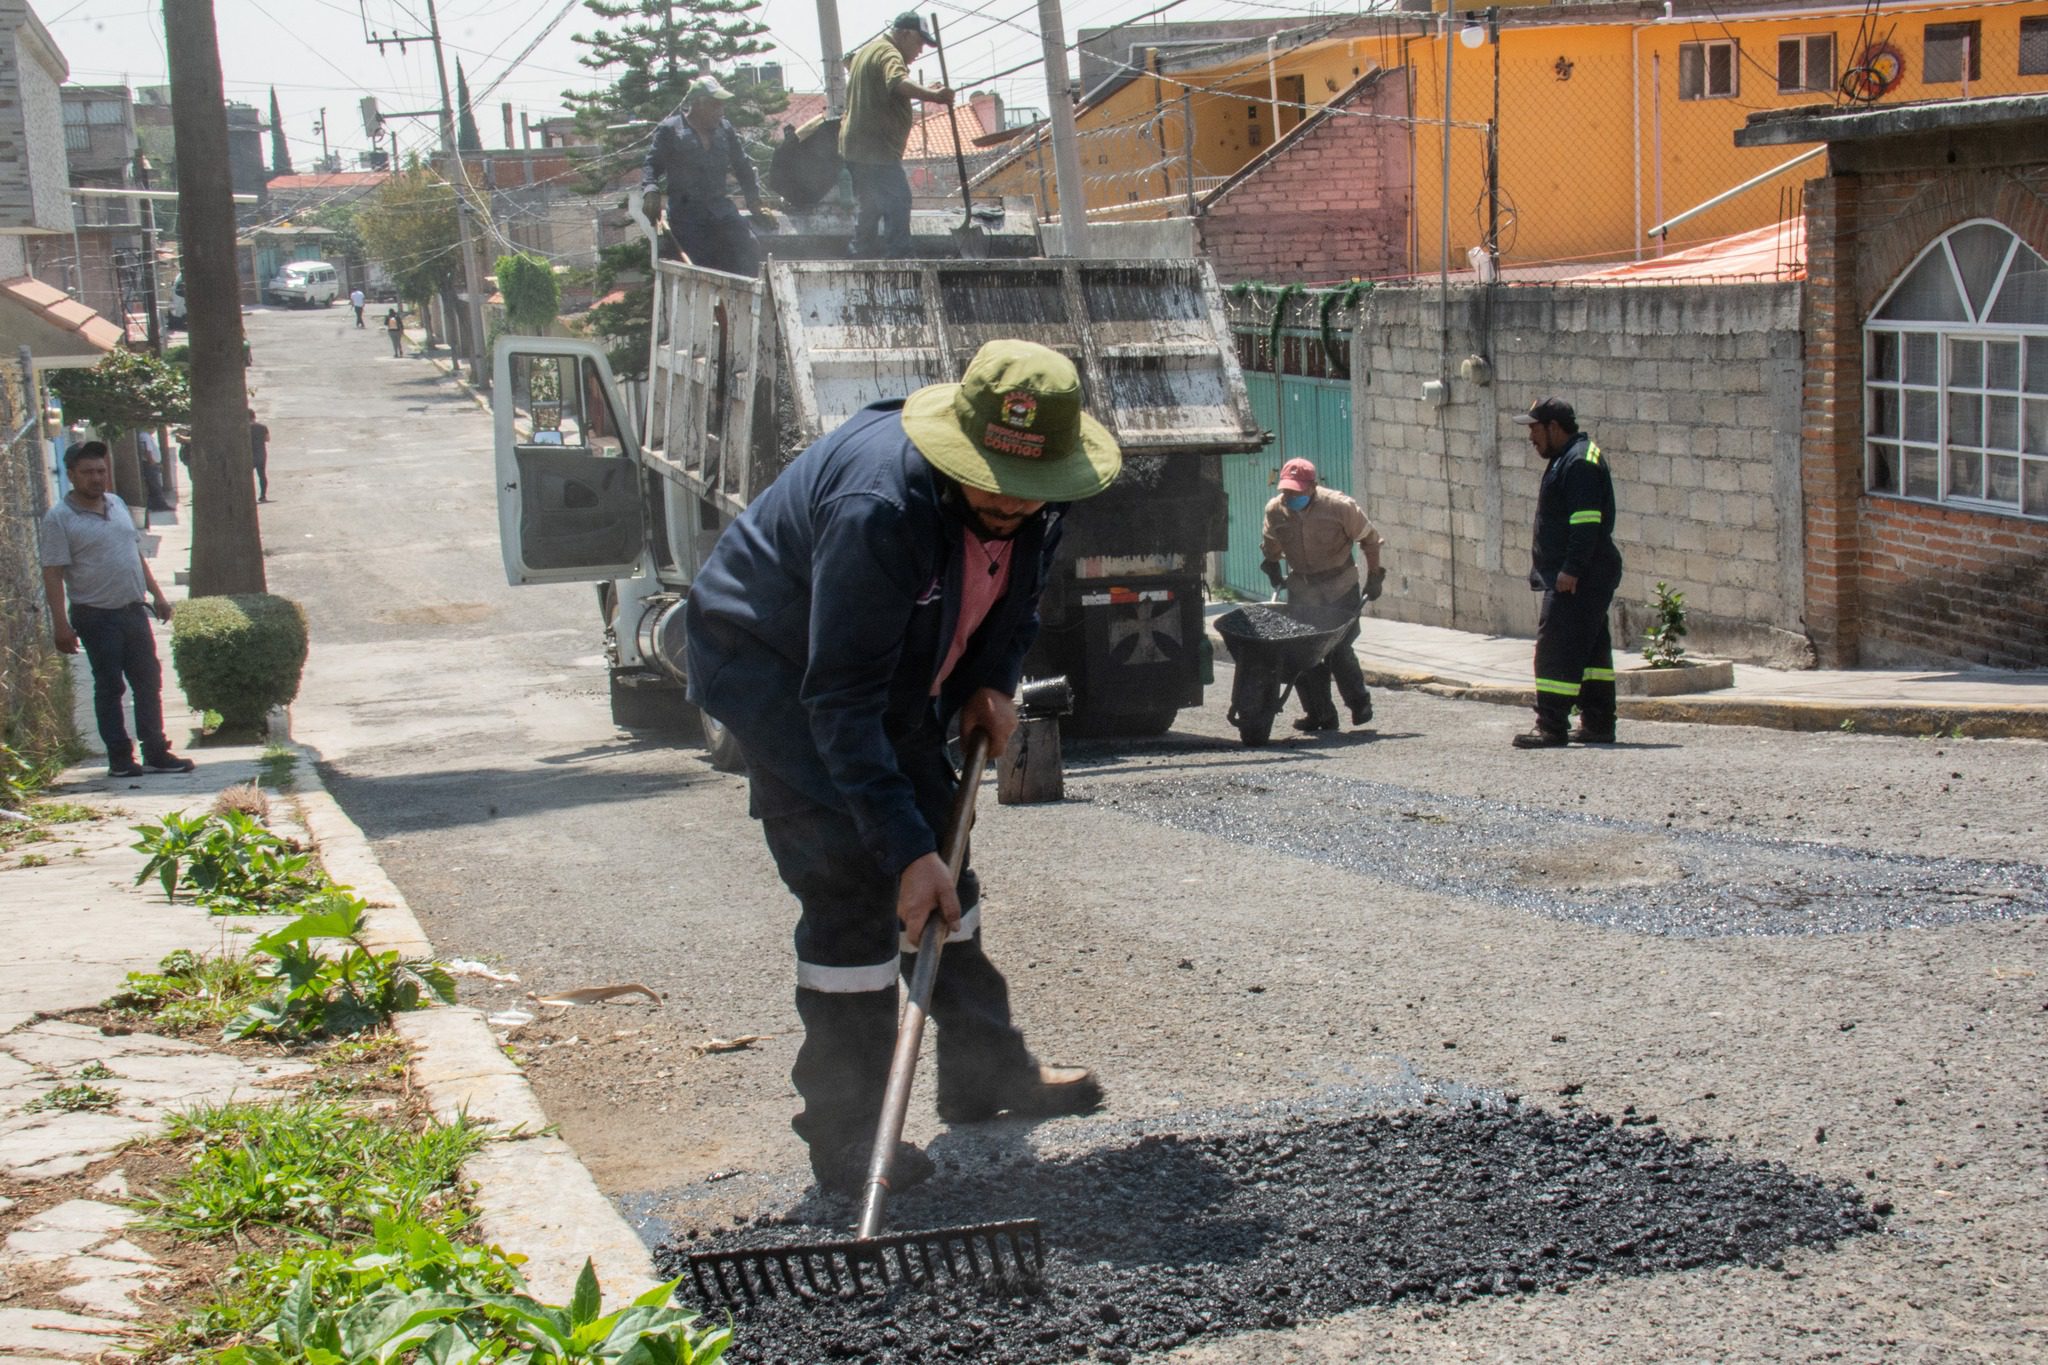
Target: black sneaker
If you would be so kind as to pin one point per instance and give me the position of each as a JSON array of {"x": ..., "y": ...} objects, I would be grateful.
[
  {"x": 128, "y": 768},
  {"x": 1540, "y": 738},
  {"x": 844, "y": 1170},
  {"x": 1310, "y": 724},
  {"x": 167, "y": 762}
]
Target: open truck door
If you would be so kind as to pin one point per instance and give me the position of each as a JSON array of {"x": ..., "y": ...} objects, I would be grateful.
[{"x": 570, "y": 503}]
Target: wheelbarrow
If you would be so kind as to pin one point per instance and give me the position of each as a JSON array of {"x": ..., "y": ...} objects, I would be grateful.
[{"x": 1272, "y": 644}]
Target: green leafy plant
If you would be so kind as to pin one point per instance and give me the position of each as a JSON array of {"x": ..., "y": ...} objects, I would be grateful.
[
  {"x": 1664, "y": 641},
  {"x": 73, "y": 1098},
  {"x": 191, "y": 991},
  {"x": 229, "y": 860},
  {"x": 309, "y": 1167},
  {"x": 126, "y": 390},
  {"x": 23, "y": 777},
  {"x": 390, "y": 1322},
  {"x": 239, "y": 655},
  {"x": 35, "y": 860},
  {"x": 532, "y": 295},
  {"x": 347, "y": 989},
  {"x": 95, "y": 1071}
]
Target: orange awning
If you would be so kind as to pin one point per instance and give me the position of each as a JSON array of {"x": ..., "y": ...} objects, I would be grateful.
[{"x": 1777, "y": 252}]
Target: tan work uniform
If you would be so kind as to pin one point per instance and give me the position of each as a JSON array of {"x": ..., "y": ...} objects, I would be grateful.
[{"x": 1316, "y": 543}]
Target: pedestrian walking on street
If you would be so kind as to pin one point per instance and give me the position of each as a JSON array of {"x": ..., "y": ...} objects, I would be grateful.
[
  {"x": 92, "y": 555},
  {"x": 884, "y": 585},
  {"x": 1574, "y": 564},
  {"x": 695, "y": 151},
  {"x": 259, "y": 455},
  {"x": 875, "y": 131},
  {"x": 1313, "y": 528},
  {"x": 356, "y": 301},
  {"x": 394, "y": 328},
  {"x": 153, "y": 470}
]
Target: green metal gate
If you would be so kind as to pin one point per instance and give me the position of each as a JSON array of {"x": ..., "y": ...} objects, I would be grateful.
[{"x": 1318, "y": 428}]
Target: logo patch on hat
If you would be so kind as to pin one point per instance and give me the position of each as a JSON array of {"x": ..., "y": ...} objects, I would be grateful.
[
  {"x": 1009, "y": 434},
  {"x": 1020, "y": 409}
]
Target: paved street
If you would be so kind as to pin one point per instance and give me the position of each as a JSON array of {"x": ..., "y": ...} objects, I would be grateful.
[{"x": 1820, "y": 950}]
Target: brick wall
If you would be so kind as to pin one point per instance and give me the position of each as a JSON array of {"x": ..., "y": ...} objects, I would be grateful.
[
  {"x": 1890, "y": 581},
  {"x": 1692, "y": 391},
  {"x": 1329, "y": 202}
]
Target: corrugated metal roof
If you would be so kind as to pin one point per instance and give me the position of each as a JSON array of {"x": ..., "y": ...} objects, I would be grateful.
[{"x": 1776, "y": 252}]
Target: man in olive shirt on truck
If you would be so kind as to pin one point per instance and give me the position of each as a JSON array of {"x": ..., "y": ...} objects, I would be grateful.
[{"x": 875, "y": 131}]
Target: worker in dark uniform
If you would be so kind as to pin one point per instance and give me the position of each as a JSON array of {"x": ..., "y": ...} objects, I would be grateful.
[
  {"x": 1574, "y": 564},
  {"x": 695, "y": 151},
  {"x": 886, "y": 584}
]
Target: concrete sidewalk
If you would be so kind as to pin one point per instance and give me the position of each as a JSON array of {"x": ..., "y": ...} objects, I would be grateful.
[
  {"x": 1978, "y": 703},
  {"x": 75, "y": 924}
]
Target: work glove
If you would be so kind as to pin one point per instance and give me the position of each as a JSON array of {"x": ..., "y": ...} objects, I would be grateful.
[
  {"x": 1271, "y": 569},
  {"x": 1375, "y": 583},
  {"x": 650, "y": 203}
]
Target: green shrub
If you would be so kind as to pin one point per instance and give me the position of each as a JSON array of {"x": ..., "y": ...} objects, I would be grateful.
[{"x": 239, "y": 655}]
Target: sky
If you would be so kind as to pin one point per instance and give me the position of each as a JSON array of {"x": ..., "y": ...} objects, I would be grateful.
[{"x": 314, "y": 53}]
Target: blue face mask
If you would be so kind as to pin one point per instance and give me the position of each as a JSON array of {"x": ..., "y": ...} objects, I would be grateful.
[{"x": 1295, "y": 501}]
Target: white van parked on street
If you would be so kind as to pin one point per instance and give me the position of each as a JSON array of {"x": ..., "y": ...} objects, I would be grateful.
[{"x": 307, "y": 284}]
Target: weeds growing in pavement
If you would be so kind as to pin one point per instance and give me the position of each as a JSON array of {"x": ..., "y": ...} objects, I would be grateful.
[
  {"x": 278, "y": 768},
  {"x": 95, "y": 1071},
  {"x": 35, "y": 860},
  {"x": 345, "y": 990},
  {"x": 193, "y": 990},
  {"x": 310, "y": 1167},
  {"x": 73, "y": 1098},
  {"x": 1664, "y": 641},
  {"x": 231, "y": 863}
]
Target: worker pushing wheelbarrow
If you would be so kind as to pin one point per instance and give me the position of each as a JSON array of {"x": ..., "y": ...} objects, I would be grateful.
[
  {"x": 1273, "y": 644},
  {"x": 1314, "y": 529}
]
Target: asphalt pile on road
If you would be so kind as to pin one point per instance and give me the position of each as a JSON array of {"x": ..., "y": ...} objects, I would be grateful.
[
  {"x": 1174, "y": 1237},
  {"x": 1255, "y": 621},
  {"x": 1643, "y": 876}
]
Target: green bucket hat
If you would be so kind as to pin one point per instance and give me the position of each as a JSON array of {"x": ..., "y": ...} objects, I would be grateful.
[{"x": 1014, "y": 425}]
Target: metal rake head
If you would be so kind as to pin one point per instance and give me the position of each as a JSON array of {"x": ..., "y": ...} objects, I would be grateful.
[{"x": 1008, "y": 1256}]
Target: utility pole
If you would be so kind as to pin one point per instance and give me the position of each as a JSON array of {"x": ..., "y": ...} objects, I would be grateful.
[
  {"x": 472, "y": 271},
  {"x": 321, "y": 128},
  {"x": 227, "y": 545},
  {"x": 1066, "y": 148},
  {"x": 142, "y": 170},
  {"x": 835, "y": 58}
]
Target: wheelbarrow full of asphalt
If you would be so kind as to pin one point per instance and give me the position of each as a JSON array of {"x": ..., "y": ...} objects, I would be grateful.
[{"x": 1272, "y": 644}]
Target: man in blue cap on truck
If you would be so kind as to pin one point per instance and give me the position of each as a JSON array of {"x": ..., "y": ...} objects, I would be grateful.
[{"x": 884, "y": 585}]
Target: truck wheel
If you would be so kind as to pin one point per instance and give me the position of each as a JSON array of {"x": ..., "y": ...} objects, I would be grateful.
[
  {"x": 662, "y": 709},
  {"x": 721, "y": 747}
]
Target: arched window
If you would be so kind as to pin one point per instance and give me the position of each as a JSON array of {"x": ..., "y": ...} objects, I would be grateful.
[{"x": 1955, "y": 364}]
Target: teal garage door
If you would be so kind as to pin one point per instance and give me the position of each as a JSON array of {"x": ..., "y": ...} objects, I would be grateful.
[{"x": 1318, "y": 428}]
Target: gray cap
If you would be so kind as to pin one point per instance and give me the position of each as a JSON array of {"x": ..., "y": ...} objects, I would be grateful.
[
  {"x": 708, "y": 88},
  {"x": 910, "y": 22}
]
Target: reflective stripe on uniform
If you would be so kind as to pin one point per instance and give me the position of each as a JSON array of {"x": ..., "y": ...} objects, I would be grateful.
[
  {"x": 1592, "y": 455},
  {"x": 1589, "y": 517},
  {"x": 970, "y": 925},
  {"x": 846, "y": 980},
  {"x": 1562, "y": 689},
  {"x": 1599, "y": 675}
]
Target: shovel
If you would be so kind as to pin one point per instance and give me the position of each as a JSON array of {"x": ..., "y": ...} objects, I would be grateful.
[
  {"x": 1010, "y": 1254},
  {"x": 968, "y": 236}
]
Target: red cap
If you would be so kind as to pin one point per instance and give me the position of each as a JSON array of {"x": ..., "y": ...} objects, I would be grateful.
[{"x": 1298, "y": 476}]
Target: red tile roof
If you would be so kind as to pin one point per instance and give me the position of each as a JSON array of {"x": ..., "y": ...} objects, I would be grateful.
[
  {"x": 932, "y": 137},
  {"x": 59, "y": 309}
]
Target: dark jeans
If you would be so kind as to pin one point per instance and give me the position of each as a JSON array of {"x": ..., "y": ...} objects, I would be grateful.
[
  {"x": 1575, "y": 658},
  {"x": 1341, "y": 663},
  {"x": 848, "y": 954},
  {"x": 716, "y": 238},
  {"x": 397, "y": 342},
  {"x": 122, "y": 651},
  {"x": 359, "y": 317},
  {"x": 883, "y": 225}
]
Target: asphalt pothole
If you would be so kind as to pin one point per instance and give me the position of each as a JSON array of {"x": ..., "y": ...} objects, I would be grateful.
[
  {"x": 1175, "y": 1237},
  {"x": 1635, "y": 875}
]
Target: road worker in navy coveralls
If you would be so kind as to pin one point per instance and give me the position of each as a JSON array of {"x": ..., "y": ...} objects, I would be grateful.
[
  {"x": 696, "y": 151},
  {"x": 886, "y": 583},
  {"x": 1574, "y": 564}
]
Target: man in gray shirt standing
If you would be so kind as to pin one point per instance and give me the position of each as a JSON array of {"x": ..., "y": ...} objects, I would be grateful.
[{"x": 92, "y": 551}]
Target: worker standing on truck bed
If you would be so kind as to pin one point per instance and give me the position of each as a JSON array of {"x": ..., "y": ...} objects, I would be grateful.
[
  {"x": 1313, "y": 528},
  {"x": 696, "y": 150},
  {"x": 875, "y": 131},
  {"x": 884, "y": 584}
]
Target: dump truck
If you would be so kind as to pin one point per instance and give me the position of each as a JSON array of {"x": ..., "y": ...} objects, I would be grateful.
[{"x": 744, "y": 373}]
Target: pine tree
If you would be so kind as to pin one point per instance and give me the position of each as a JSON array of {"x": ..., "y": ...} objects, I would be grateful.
[
  {"x": 280, "y": 150},
  {"x": 466, "y": 136}
]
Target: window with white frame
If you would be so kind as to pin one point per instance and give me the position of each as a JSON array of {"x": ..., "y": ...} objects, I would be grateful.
[
  {"x": 1806, "y": 63},
  {"x": 1955, "y": 364},
  {"x": 1706, "y": 71}
]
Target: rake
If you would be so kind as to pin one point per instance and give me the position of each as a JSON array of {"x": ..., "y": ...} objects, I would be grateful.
[{"x": 1006, "y": 1256}]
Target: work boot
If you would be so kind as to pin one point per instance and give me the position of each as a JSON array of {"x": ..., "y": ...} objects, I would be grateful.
[
  {"x": 1310, "y": 724},
  {"x": 1044, "y": 1092},
  {"x": 844, "y": 1170},
  {"x": 1540, "y": 738},
  {"x": 1592, "y": 734},
  {"x": 1361, "y": 711}
]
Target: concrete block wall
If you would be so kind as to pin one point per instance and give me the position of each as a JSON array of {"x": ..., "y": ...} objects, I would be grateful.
[
  {"x": 34, "y": 177},
  {"x": 1331, "y": 203},
  {"x": 1692, "y": 391}
]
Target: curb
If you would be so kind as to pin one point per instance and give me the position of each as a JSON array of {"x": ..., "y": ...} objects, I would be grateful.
[
  {"x": 1966, "y": 720},
  {"x": 533, "y": 1194}
]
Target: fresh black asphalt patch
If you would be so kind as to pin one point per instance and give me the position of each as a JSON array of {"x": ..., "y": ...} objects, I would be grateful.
[
  {"x": 1700, "y": 884},
  {"x": 1174, "y": 1237}
]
